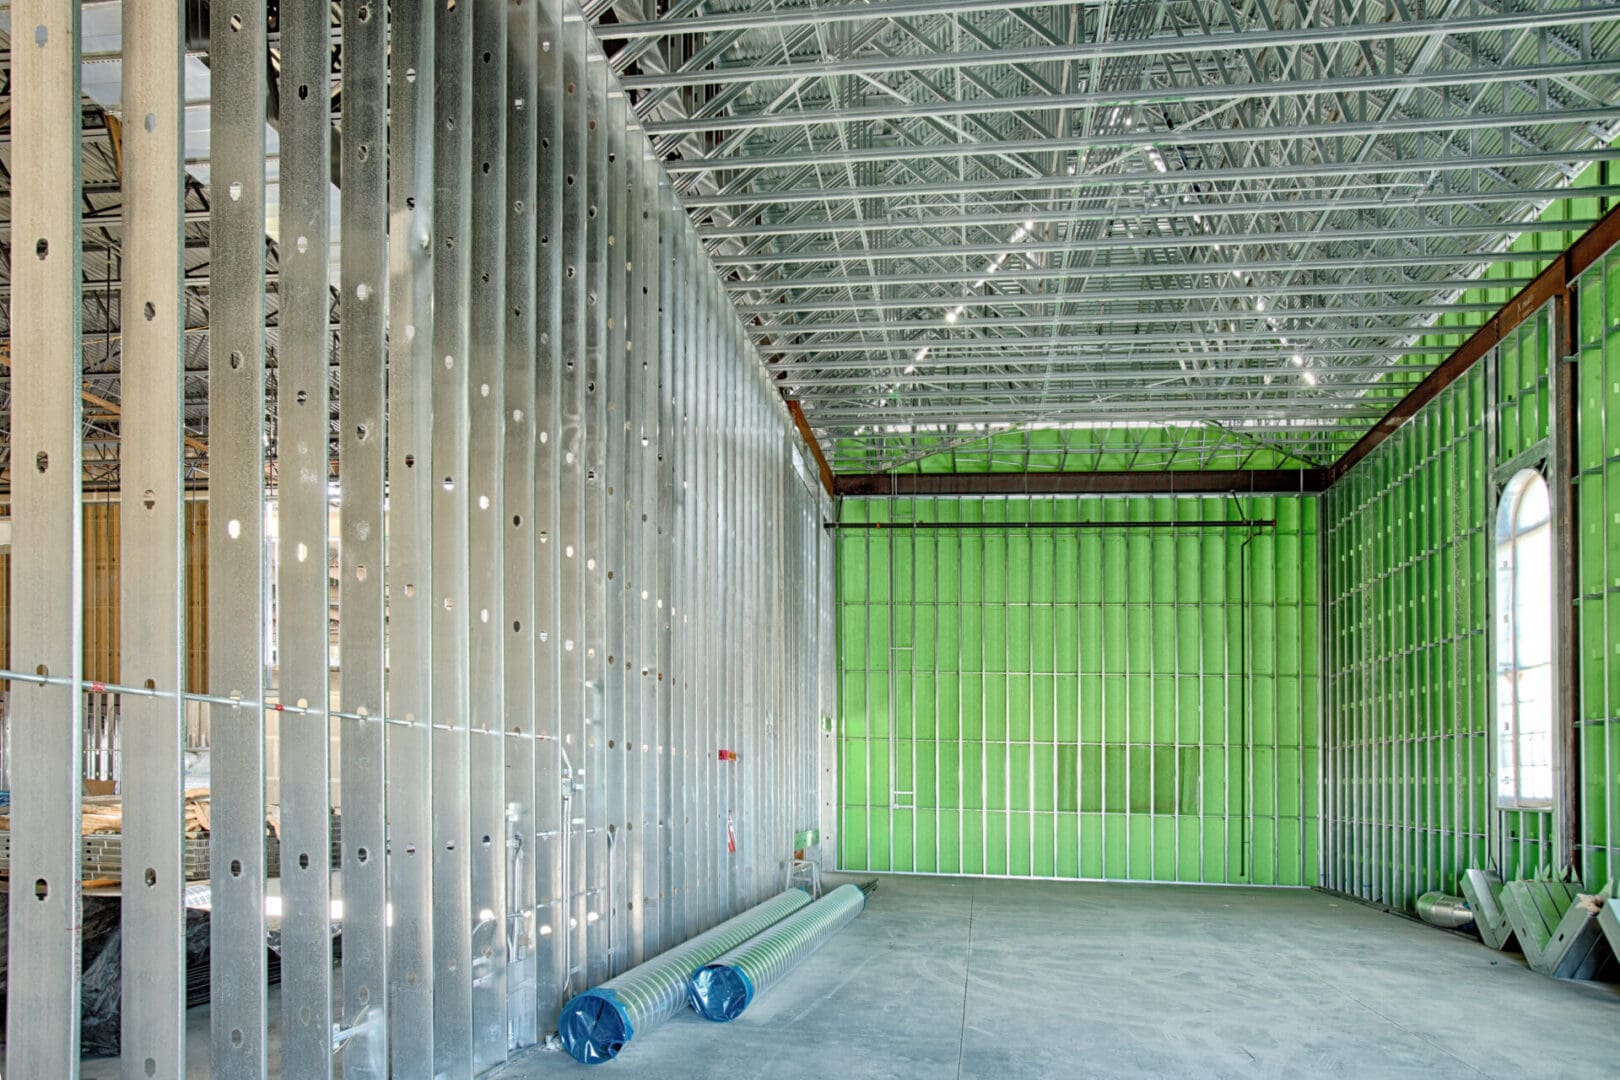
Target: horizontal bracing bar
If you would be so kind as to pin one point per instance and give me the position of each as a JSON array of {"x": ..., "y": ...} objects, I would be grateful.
[
  {"x": 1080, "y": 301},
  {"x": 775, "y": 17},
  {"x": 1158, "y": 482},
  {"x": 1572, "y": 161},
  {"x": 1153, "y": 270},
  {"x": 1133, "y": 96},
  {"x": 1157, "y": 45},
  {"x": 1069, "y": 367},
  {"x": 944, "y": 353},
  {"x": 231, "y": 702},
  {"x": 1140, "y": 381},
  {"x": 1142, "y": 139},
  {"x": 1032, "y": 526},
  {"x": 1177, "y": 210},
  {"x": 901, "y": 327},
  {"x": 1296, "y": 414},
  {"x": 1067, "y": 281},
  {"x": 1137, "y": 243}
]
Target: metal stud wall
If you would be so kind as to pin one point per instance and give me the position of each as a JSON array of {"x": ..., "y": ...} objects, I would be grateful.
[
  {"x": 1110, "y": 688},
  {"x": 1408, "y": 718},
  {"x": 582, "y": 639},
  {"x": 1597, "y": 460}
]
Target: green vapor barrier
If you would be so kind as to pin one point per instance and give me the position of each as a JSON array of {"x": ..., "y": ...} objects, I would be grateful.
[
  {"x": 1113, "y": 688},
  {"x": 722, "y": 990},
  {"x": 597, "y": 1024}
]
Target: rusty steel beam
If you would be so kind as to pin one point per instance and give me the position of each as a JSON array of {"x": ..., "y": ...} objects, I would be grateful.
[{"x": 1553, "y": 283}]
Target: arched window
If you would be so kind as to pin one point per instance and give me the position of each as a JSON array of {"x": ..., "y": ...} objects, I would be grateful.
[{"x": 1524, "y": 644}]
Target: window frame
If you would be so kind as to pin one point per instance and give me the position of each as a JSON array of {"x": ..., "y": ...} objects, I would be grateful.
[{"x": 1510, "y": 535}]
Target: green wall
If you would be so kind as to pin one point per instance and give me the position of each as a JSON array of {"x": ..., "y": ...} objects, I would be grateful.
[
  {"x": 1597, "y": 519},
  {"x": 1408, "y": 717},
  {"x": 1409, "y": 553},
  {"x": 1037, "y": 699}
]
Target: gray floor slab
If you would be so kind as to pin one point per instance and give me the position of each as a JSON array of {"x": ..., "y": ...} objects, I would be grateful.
[{"x": 1013, "y": 980}]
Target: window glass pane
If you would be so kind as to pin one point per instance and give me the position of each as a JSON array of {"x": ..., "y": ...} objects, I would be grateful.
[
  {"x": 1506, "y": 706},
  {"x": 1525, "y": 713},
  {"x": 1533, "y": 506},
  {"x": 1535, "y": 734},
  {"x": 1532, "y": 596}
]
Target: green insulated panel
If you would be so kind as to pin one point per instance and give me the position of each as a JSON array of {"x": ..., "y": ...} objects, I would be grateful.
[
  {"x": 1598, "y": 574},
  {"x": 1104, "y": 688},
  {"x": 1523, "y": 387}
]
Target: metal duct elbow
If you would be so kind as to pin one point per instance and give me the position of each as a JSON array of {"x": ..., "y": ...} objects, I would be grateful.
[{"x": 1443, "y": 910}]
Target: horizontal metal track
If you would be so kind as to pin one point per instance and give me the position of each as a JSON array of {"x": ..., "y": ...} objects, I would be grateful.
[
  {"x": 1166, "y": 482},
  {"x": 1081, "y": 300},
  {"x": 1152, "y": 270},
  {"x": 1141, "y": 139},
  {"x": 1572, "y": 160},
  {"x": 1034, "y": 526},
  {"x": 1132, "y": 96},
  {"x": 985, "y": 349},
  {"x": 1178, "y": 210},
  {"x": 1177, "y": 292},
  {"x": 1139, "y": 380},
  {"x": 1246, "y": 421},
  {"x": 1157, "y": 45},
  {"x": 1137, "y": 243},
  {"x": 800, "y": 373},
  {"x": 900, "y": 327},
  {"x": 776, "y": 17}
]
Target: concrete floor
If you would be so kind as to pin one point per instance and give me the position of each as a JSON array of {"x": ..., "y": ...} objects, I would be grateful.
[{"x": 1014, "y": 980}]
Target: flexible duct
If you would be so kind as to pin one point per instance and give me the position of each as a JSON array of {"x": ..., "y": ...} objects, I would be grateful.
[
  {"x": 722, "y": 989},
  {"x": 1439, "y": 909},
  {"x": 597, "y": 1024}
]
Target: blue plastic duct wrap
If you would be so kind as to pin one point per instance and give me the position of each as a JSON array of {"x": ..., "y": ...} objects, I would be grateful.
[
  {"x": 722, "y": 989},
  {"x": 597, "y": 1024}
]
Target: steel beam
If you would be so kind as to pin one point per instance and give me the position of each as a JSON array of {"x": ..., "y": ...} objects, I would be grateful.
[
  {"x": 362, "y": 447},
  {"x": 1173, "y": 482},
  {"x": 735, "y": 195},
  {"x": 1137, "y": 243},
  {"x": 42, "y": 1009},
  {"x": 516, "y": 845},
  {"x": 152, "y": 533},
  {"x": 302, "y": 615},
  {"x": 1172, "y": 209},
  {"x": 486, "y": 609},
  {"x": 1236, "y": 269},
  {"x": 553, "y": 296},
  {"x": 1155, "y": 45},
  {"x": 815, "y": 15},
  {"x": 1552, "y": 281},
  {"x": 1128, "y": 96},
  {"x": 236, "y": 544},
  {"x": 410, "y": 694},
  {"x": 452, "y": 912}
]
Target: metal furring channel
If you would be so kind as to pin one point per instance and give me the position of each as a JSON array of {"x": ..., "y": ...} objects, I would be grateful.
[
  {"x": 723, "y": 989},
  {"x": 597, "y": 1024}
]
